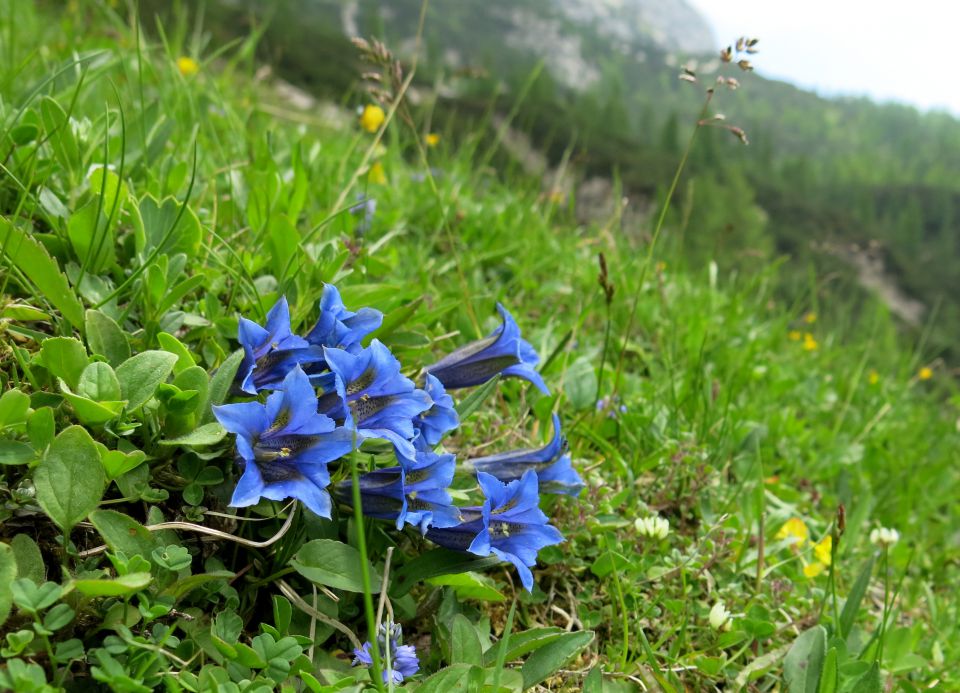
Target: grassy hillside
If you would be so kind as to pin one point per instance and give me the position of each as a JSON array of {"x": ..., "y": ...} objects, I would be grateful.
[{"x": 739, "y": 452}]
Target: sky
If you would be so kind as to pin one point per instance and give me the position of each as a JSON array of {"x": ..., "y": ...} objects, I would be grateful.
[{"x": 890, "y": 50}]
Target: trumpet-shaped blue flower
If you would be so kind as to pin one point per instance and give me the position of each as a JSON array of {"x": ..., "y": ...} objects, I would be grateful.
[
  {"x": 381, "y": 403},
  {"x": 271, "y": 352},
  {"x": 340, "y": 328},
  {"x": 509, "y": 524},
  {"x": 551, "y": 463},
  {"x": 402, "y": 659},
  {"x": 414, "y": 492},
  {"x": 439, "y": 419},
  {"x": 284, "y": 446},
  {"x": 504, "y": 351}
]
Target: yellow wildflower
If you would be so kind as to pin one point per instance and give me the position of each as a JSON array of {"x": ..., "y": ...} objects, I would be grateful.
[
  {"x": 794, "y": 335},
  {"x": 432, "y": 139},
  {"x": 372, "y": 117},
  {"x": 188, "y": 66},
  {"x": 810, "y": 318},
  {"x": 795, "y": 529},
  {"x": 813, "y": 569},
  {"x": 809, "y": 342},
  {"x": 925, "y": 373},
  {"x": 873, "y": 377},
  {"x": 376, "y": 174},
  {"x": 823, "y": 549}
]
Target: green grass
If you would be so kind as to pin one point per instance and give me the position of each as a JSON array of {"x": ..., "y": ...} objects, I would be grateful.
[{"x": 729, "y": 429}]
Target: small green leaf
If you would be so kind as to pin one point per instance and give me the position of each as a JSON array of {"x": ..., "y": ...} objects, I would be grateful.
[
  {"x": 433, "y": 563},
  {"x": 69, "y": 479},
  {"x": 523, "y": 643},
  {"x": 465, "y": 646},
  {"x": 470, "y": 586},
  {"x": 29, "y": 559},
  {"x": 457, "y": 678},
  {"x": 105, "y": 337},
  {"x": 208, "y": 434},
  {"x": 92, "y": 413},
  {"x": 476, "y": 398},
  {"x": 8, "y": 573},
  {"x": 220, "y": 383},
  {"x": 13, "y": 408},
  {"x": 41, "y": 427},
  {"x": 551, "y": 657},
  {"x": 869, "y": 682},
  {"x": 93, "y": 241},
  {"x": 175, "y": 346},
  {"x": 804, "y": 661},
  {"x": 182, "y": 587},
  {"x": 99, "y": 383},
  {"x": 64, "y": 357},
  {"x": 158, "y": 224},
  {"x": 124, "y": 585},
  {"x": 124, "y": 534},
  {"x": 116, "y": 463},
  {"x": 140, "y": 376},
  {"x": 334, "y": 564}
]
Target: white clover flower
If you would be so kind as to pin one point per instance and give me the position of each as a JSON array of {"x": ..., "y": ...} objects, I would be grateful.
[
  {"x": 654, "y": 527},
  {"x": 719, "y": 617},
  {"x": 883, "y": 536}
]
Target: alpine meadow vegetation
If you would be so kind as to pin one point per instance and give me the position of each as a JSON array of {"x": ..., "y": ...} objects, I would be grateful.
[{"x": 297, "y": 401}]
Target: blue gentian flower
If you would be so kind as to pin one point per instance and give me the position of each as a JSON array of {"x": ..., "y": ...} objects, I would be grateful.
[
  {"x": 284, "y": 446},
  {"x": 439, "y": 419},
  {"x": 510, "y": 525},
  {"x": 398, "y": 661},
  {"x": 551, "y": 463},
  {"x": 381, "y": 403},
  {"x": 340, "y": 328},
  {"x": 271, "y": 352},
  {"x": 504, "y": 351},
  {"x": 414, "y": 492}
]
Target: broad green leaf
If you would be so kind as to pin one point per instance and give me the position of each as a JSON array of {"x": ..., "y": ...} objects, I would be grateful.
[
  {"x": 593, "y": 683},
  {"x": 116, "y": 463},
  {"x": 433, "y": 563},
  {"x": 15, "y": 452},
  {"x": 220, "y": 384},
  {"x": 470, "y": 586},
  {"x": 98, "y": 382},
  {"x": 23, "y": 313},
  {"x": 208, "y": 434},
  {"x": 69, "y": 479},
  {"x": 523, "y": 643},
  {"x": 334, "y": 564},
  {"x": 852, "y": 605},
  {"x": 105, "y": 337},
  {"x": 283, "y": 241},
  {"x": 140, "y": 376},
  {"x": 465, "y": 646},
  {"x": 122, "y": 533},
  {"x": 476, "y": 398},
  {"x": 64, "y": 357},
  {"x": 121, "y": 586},
  {"x": 31, "y": 258},
  {"x": 548, "y": 659},
  {"x": 60, "y": 133},
  {"x": 804, "y": 661},
  {"x": 13, "y": 408},
  {"x": 29, "y": 559},
  {"x": 8, "y": 573}
]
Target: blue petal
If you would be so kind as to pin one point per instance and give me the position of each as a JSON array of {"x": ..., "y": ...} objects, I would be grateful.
[
  {"x": 249, "y": 489},
  {"x": 244, "y": 418},
  {"x": 526, "y": 576}
]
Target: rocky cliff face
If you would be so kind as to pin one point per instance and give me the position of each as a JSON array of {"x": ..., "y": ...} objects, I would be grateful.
[{"x": 572, "y": 37}]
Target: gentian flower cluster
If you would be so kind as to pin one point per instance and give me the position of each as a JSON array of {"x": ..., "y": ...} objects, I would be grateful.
[
  {"x": 316, "y": 398},
  {"x": 398, "y": 661}
]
